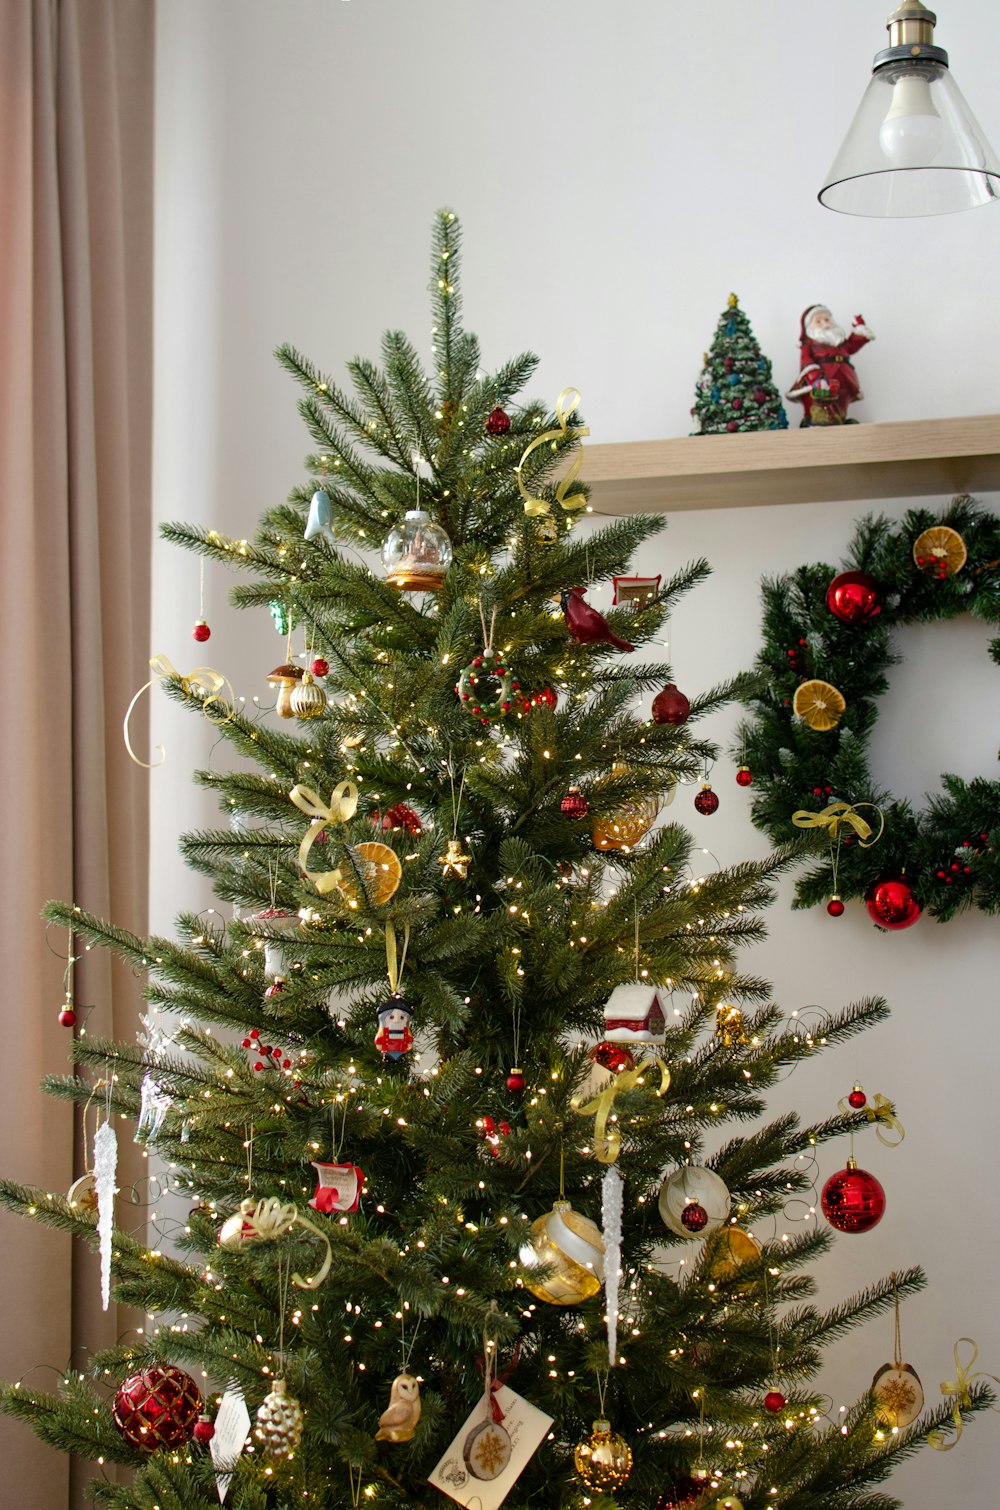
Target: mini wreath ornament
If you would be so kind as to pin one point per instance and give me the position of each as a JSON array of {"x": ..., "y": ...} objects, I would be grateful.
[
  {"x": 822, "y": 628},
  {"x": 486, "y": 686}
]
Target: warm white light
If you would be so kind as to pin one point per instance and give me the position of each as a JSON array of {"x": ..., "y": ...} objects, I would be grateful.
[{"x": 913, "y": 132}]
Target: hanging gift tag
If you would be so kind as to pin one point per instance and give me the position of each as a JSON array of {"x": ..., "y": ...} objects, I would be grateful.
[
  {"x": 479, "y": 1467},
  {"x": 339, "y": 1187},
  {"x": 232, "y": 1426}
]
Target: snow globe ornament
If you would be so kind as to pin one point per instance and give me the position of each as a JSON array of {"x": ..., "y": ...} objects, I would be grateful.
[
  {"x": 634, "y": 1013},
  {"x": 394, "y": 1037},
  {"x": 569, "y": 1249},
  {"x": 416, "y": 554},
  {"x": 693, "y": 1201}
]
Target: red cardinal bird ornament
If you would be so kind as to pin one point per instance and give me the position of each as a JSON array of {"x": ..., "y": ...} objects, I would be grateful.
[{"x": 585, "y": 624}]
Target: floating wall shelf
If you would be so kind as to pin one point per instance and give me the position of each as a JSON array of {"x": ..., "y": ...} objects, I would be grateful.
[{"x": 914, "y": 458}]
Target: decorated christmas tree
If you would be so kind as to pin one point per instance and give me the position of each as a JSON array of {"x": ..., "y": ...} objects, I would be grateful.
[
  {"x": 464, "y": 1106},
  {"x": 734, "y": 391}
]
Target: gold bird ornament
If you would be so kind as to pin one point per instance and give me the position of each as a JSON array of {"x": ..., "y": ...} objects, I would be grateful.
[{"x": 398, "y": 1421}]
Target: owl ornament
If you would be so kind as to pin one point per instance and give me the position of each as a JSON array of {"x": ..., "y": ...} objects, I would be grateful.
[{"x": 398, "y": 1421}]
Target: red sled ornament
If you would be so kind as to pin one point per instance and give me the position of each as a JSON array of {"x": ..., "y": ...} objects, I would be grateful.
[{"x": 339, "y": 1188}]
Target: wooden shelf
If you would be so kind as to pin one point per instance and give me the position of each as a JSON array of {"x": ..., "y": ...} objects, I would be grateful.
[{"x": 914, "y": 458}]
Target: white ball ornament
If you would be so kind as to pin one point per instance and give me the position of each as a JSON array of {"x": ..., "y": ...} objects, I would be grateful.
[{"x": 694, "y": 1201}]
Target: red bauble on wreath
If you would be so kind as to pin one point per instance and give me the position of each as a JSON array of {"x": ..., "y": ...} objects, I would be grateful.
[
  {"x": 891, "y": 903},
  {"x": 853, "y": 597},
  {"x": 157, "y": 1407},
  {"x": 853, "y": 1200}
]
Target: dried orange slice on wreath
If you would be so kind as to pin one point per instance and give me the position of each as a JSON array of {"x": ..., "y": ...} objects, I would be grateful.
[
  {"x": 940, "y": 550},
  {"x": 380, "y": 868},
  {"x": 819, "y": 705}
]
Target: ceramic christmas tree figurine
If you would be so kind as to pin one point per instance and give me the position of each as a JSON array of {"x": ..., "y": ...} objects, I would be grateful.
[
  {"x": 827, "y": 383},
  {"x": 735, "y": 391}
]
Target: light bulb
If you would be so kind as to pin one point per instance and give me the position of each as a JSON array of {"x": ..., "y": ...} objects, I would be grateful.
[{"x": 912, "y": 133}]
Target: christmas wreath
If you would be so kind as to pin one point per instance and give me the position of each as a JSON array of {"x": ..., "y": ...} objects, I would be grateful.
[{"x": 828, "y": 641}]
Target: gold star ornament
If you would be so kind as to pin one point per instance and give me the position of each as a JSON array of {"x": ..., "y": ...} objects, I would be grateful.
[{"x": 455, "y": 862}]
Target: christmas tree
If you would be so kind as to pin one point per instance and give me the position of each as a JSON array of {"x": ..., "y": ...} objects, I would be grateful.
[
  {"x": 735, "y": 391},
  {"x": 445, "y": 1008}
]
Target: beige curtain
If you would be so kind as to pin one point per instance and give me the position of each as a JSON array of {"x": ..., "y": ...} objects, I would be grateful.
[{"x": 76, "y": 103}]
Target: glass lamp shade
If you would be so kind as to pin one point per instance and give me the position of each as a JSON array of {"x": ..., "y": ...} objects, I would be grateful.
[
  {"x": 416, "y": 553},
  {"x": 913, "y": 148}
]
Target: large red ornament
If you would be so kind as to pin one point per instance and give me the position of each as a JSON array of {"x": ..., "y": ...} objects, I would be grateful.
[
  {"x": 670, "y": 706},
  {"x": 853, "y": 597},
  {"x": 706, "y": 801},
  {"x": 853, "y": 1200},
  {"x": 891, "y": 903},
  {"x": 157, "y": 1407}
]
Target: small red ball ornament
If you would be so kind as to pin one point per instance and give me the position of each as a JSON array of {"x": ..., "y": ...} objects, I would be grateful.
[
  {"x": 574, "y": 804},
  {"x": 857, "y": 1098},
  {"x": 744, "y": 776},
  {"x": 694, "y": 1217},
  {"x": 670, "y": 706},
  {"x": 706, "y": 801},
  {"x": 275, "y": 988},
  {"x": 497, "y": 421},
  {"x": 515, "y": 1081},
  {"x": 399, "y": 815},
  {"x": 774, "y": 1401},
  {"x": 201, "y": 631},
  {"x": 157, "y": 1407},
  {"x": 853, "y": 1200},
  {"x": 853, "y": 597},
  {"x": 319, "y": 666},
  {"x": 612, "y": 1056},
  {"x": 835, "y": 907},
  {"x": 204, "y": 1429},
  {"x": 67, "y": 1018},
  {"x": 891, "y": 903}
]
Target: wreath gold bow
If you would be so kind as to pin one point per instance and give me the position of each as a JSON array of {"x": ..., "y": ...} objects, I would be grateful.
[
  {"x": 270, "y": 1217},
  {"x": 958, "y": 1389},
  {"x": 838, "y": 815}
]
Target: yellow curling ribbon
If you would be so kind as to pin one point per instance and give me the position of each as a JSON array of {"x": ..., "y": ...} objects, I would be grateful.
[
  {"x": 394, "y": 966},
  {"x": 343, "y": 806},
  {"x": 204, "y": 682},
  {"x": 841, "y": 814},
  {"x": 607, "y": 1138},
  {"x": 270, "y": 1217},
  {"x": 958, "y": 1389},
  {"x": 880, "y": 1110},
  {"x": 566, "y": 404}
]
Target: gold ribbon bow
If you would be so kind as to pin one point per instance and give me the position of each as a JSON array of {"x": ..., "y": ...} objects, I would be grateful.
[
  {"x": 343, "y": 806},
  {"x": 607, "y": 1139},
  {"x": 958, "y": 1388},
  {"x": 393, "y": 964},
  {"x": 269, "y": 1217},
  {"x": 880, "y": 1110},
  {"x": 204, "y": 682},
  {"x": 839, "y": 814},
  {"x": 566, "y": 404}
]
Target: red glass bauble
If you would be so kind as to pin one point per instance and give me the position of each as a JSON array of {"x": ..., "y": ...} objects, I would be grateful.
[
  {"x": 694, "y": 1217},
  {"x": 547, "y": 698},
  {"x": 853, "y": 1200},
  {"x": 497, "y": 421},
  {"x": 399, "y": 815},
  {"x": 574, "y": 804},
  {"x": 835, "y": 907},
  {"x": 853, "y": 597},
  {"x": 744, "y": 776},
  {"x": 612, "y": 1056},
  {"x": 857, "y": 1098},
  {"x": 891, "y": 903},
  {"x": 706, "y": 801},
  {"x": 670, "y": 706},
  {"x": 275, "y": 988},
  {"x": 774, "y": 1401},
  {"x": 67, "y": 1018},
  {"x": 201, "y": 631},
  {"x": 204, "y": 1429},
  {"x": 515, "y": 1081},
  {"x": 157, "y": 1407},
  {"x": 683, "y": 1492},
  {"x": 319, "y": 667}
]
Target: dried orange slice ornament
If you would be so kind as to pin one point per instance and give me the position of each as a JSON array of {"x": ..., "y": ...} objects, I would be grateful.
[
  {"x": 940, "y": 551},
  {"x": 380, "y": 868},
  {"x": 819, "y": 705}
]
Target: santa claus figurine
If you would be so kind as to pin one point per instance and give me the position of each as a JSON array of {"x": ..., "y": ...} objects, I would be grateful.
[{"x": 827, "y": 383}]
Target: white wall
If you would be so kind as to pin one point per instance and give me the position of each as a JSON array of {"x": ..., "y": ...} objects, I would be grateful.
[{"x": 618, "y": 168}]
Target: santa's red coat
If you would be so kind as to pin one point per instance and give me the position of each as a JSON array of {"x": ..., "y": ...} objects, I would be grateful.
[{"x": 834, "y": 366}]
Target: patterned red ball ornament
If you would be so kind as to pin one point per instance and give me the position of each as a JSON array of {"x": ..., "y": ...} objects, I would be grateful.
[
  {"x": 157, "y": 1407},
  {"x": 835, "y": 907},
  {"x": 853, "y": 1200},
  {"x": 670, "y": 706},
  {"x": 853, "y": 597},
  {"x": 694, "y": 1217},
  {"x": 744, "y": 776},
  {"x": 706, "y": 801},
  {"x": 201, "y": 631},
  {"x": 891, "y": 903},
  {"x": 574, "y": 804},
  {"x": 319, "y": 667},
  {"x": 774, "y": 1401},
  {"x": 497, "y": 421}
]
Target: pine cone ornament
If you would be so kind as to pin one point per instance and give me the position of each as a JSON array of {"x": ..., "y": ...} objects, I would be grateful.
[{"x": 279, "y": 1424}]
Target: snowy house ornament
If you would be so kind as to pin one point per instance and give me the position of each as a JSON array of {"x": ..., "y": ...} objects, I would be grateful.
[{"x": 634, "y": 1014}]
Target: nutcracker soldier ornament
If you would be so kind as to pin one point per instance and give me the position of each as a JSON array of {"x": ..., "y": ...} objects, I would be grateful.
[
  {"x": 827, "y": 384},
  {"x": 394, "y": 1037}
]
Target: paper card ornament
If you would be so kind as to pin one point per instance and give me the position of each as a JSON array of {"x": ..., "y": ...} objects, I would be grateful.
[
  {"x": 638, "y": 590},
  {"x": 634, "y": 1014},
  {"x": 899, "y": 1395},
  {"x": 481, "y": 1478},
  {"x": 105, "y": 1169},
  {"x": 339, "y": 1187},
  {"x": 232, "y": 1426}
]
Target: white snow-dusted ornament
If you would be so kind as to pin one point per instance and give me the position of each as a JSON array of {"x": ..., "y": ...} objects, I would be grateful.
[
  {"x": 611, "y": 1223},
  {"x": 694, "y": 1201},
  {"x": 105, "y": 1170},
  {"x": 634, "y": 1014},
  {"x": 232, "y": 1424},
  {"x": 277, "y": 921}
]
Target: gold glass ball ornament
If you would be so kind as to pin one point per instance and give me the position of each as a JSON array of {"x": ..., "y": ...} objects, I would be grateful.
[
  {"x": 279, "y": 1424},
  {"x": 569, "y": 1249},
  {"x": 308, "y": 698},
  {"x": 604, "y": 1460},
  {"x": 693, "y": 1201}
]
